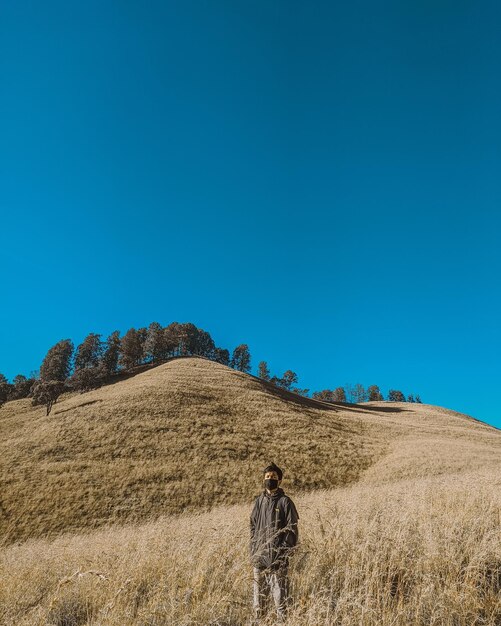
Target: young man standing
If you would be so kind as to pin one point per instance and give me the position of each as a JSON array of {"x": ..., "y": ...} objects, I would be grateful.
[{"x": 273, "y": 535}]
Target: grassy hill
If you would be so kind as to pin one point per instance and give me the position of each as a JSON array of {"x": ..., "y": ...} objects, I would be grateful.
[
  {"x": 399, "y": 505},
  {"x": 192, "y": 434}
]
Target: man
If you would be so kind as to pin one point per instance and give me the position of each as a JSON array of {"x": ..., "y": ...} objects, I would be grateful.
[{"x": 274, "y": 533}]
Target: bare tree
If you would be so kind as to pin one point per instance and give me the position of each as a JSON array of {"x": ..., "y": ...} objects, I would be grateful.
[
  {"x": 339, "y": 395},
  {"x": 350, "y": 393},
  {"x": 359, "y": 393}
]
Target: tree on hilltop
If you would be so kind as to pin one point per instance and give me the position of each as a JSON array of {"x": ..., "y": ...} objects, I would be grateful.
[
  {"x": 349, "y": 392},
  {"x": 111, "y": 353},
  {"x": 142, "y": 334},
  {"x": 418, "y": 400},
  {"x": 156, "y": 343},
  {"x": 374, "y": 394},
  {"x": 263, "y": 371},
  {"x": 359, "y": 393},
  {"x": 204, "y": 344},
  {"x": 131, "y": 349},
  {"x": 89, "y": 353},
  {"x": 241, "y": 358},
  {"x": 21, "y": 387},
  {"x": 5, "y": 389},
  {"x": 173, "y": 338},
  {"x": 89, "y": 369},
  {"x": 221, "y": 355},
  {"x": 339, "y": 395},
  {"x": 326, "y": 395},
  {"x": 288, "y": 379},
  {"x": 394, "y": 395},
  {"x": 56, "y": 365},
  {"x": 187, "y": 339},
  {"x": 186, "y": 336}
]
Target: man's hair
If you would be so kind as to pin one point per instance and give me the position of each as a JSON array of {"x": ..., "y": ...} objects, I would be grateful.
[{"x": 274, "y": 468}]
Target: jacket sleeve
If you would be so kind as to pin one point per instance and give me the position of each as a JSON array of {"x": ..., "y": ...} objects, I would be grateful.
[
  {"x": 291, "y": 534},
  {"x": 252, "y": 528}
]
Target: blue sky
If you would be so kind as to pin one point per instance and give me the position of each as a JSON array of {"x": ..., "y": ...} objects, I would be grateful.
[{"x": 319, "y": 180}]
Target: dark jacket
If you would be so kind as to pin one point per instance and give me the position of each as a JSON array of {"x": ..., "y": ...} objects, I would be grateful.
[{"x": 273, "y": 530}]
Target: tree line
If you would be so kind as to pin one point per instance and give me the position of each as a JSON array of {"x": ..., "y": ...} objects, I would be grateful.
[
  {"x": 350, "y": 393},
  {"x": 97, "y": 361},
  {"x": 357, "y": 393}
]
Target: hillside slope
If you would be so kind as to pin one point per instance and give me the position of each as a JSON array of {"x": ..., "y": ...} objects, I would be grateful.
[{"x": 191, "y": 434}]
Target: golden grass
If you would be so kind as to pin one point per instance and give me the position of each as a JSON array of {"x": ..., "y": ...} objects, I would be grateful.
[
  {"x": 422, "y": 551},
  {"x": 399, "y": 506},
  {"x": 192, "y": 434}
]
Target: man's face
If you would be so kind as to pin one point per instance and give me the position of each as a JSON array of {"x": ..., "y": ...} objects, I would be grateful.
[{"x": 272, "y": 475}]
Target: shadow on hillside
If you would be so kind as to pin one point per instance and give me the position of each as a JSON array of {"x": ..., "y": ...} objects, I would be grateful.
[
  {"x": 295, "y": 398},
  {"x": 360, "y": 408},
  {"x": 76, "y": 406},
  {"x": 290, "y": 396}
]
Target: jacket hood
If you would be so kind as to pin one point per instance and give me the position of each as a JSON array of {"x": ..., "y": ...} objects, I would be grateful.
[{"x": 278, "y": 493}]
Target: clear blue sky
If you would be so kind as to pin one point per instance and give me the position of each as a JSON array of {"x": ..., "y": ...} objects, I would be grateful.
[{"x": 320, "y": 180}]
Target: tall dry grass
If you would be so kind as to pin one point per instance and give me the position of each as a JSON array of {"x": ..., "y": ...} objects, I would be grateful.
[{"x": 413, "y": 552}]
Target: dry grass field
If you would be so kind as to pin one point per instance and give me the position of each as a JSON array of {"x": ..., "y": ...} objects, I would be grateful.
[
  {"x": 129, "y": 505},
  {"x": 421, "y": 551}
]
